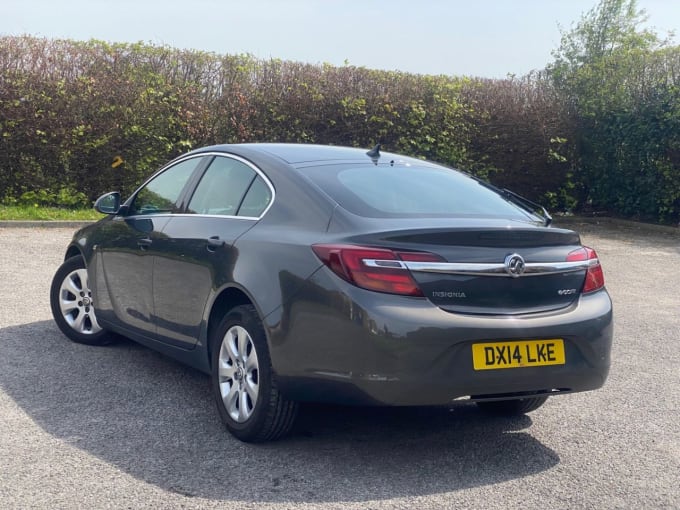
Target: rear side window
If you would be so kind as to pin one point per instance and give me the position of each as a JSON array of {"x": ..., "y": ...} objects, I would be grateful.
[
  {"x": 222, "y": 188},
  {"x": 257, "y": 199},
  {"x": 409, "y": 191}
]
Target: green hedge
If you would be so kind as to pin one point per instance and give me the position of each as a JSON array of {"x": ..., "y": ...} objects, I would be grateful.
[
  {"x": 70, "y": 110},
  {"x": 627, "y": 139}
]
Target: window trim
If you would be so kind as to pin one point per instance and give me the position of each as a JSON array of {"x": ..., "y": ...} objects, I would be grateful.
[{"x": 190, "y": 187}]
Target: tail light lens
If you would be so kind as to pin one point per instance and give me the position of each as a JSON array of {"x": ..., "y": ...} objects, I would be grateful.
[
  {"x": 594, "y": 275},
  {"x": 375, "y": 269}
]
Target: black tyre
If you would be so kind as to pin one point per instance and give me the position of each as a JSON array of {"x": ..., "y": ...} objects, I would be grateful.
[
  {"x": 72, "y": 306},
  {"x": 513, "y": 407},
  {"x": 245, "y": 390}
]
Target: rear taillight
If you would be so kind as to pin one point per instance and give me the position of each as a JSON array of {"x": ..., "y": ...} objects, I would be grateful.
[
  {"x": 375, "y": 269},
  {"x": 594, "y": 275}
]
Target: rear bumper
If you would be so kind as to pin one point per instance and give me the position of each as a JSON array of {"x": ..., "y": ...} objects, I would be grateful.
[{"x": 359, "y": 347}]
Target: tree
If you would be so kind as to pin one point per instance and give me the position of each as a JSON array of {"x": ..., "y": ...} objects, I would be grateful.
[
  {"x": 611, "y": 26},
  {"x": 619, "y": 81}
]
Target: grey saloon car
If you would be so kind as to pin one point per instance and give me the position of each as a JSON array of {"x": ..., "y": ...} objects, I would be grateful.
[{"x": 305, "y": 273}]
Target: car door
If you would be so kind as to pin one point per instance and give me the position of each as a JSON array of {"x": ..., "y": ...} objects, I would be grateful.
[
  {"x": 196, "y": 255},
  {"x": 124, "y": 256}
]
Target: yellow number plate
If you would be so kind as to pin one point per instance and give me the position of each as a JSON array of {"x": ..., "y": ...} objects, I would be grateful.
[{"x": 524, "y": 353}]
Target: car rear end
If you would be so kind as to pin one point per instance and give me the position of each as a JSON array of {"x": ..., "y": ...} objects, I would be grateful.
[
  {"x": 437, "y": 325},
  {"x": 420, "y": 303}
]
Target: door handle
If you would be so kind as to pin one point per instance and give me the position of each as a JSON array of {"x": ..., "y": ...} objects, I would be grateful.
[
  {"x": 144, "y": 243},
  {"x": 215, "y": 242}
]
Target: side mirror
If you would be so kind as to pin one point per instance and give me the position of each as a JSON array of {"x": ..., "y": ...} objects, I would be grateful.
[{"x": 108, "y": 203}]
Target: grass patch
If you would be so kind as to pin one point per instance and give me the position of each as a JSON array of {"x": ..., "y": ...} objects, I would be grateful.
[{"x": 32, "y": 213}]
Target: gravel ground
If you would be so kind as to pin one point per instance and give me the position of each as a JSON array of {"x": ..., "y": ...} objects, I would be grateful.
[{"x": 124, "y": 427}]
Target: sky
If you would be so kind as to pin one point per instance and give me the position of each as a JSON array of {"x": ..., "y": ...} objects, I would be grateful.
[{"x": 486, "y": 38}]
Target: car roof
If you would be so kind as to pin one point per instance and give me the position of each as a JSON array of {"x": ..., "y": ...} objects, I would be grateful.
[{"x": 298, "y": 154}]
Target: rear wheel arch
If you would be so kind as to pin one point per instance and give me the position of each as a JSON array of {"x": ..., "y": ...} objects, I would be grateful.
[{"x": 227, "y": 300}]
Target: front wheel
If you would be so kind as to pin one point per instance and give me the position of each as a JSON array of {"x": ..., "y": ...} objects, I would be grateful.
[
  {"x": 72, "y": 305},
  {"x": 248, "y": 399},
  {"x": 515, "y": 407}
]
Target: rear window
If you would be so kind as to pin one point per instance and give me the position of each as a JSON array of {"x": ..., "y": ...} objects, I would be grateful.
[{"x": 410, "y": 191}]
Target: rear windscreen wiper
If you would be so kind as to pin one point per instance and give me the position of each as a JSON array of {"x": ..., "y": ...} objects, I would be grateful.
[
  {"x": 519, "y": 200},
  {"x": 527, "y": 204}
]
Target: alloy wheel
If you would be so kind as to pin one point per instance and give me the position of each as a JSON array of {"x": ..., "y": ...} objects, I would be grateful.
[
  {"x": 75, "y": 303},
  {"x": 238, "y": 373}
]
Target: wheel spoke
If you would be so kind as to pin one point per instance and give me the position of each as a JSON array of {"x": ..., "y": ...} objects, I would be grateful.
[
  {"x": 226, "y": 370},
  {"x": 230, "y": 397},
  {"x": 245, "y": 409},
  {"x": 67, "y": 306},
  {"x": 79, "y": 322},
  {"x": 93, "y": 320},
  {"x": 251, "y": 361},
  {"x": 243, "y": 341},
  {"x": 232, "y": 345},
  {"x": 84, "y": 280},
  {"x": 69, "y": 285},
  {"x": 251, "y": 387}
]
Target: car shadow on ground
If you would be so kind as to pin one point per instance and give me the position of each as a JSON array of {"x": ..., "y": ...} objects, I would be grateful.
[{"x": 155, "y": 420}]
